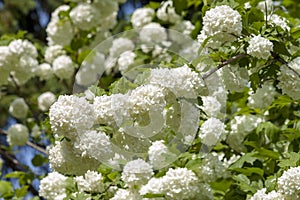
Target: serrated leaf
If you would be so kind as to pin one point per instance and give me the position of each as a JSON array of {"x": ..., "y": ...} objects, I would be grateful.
[
  {"x": 248, "y": 158},
  {"x": 248, "y": 171},
  {"x": 280, "y": 48},
  {"x": 292, "y": 160}
]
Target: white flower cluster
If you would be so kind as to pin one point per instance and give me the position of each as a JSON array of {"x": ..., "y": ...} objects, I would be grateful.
[
  {"x": 262, "y": 195},
  {"x": 123, "y": 194},
  {"x": 265, "y": 6},
  {"x": 60, "y": 31},
  {"x": 167, "y": 12},
  {"x": 70, "y": 114},
  {"x": 263, "y": 96},
  {"x": 241, "y": 126},
  {"x": 260, "y": 47},
  {"x": 289, "y": 81},
  {"x": 17, "y": 135},
  {"x": 85, "y": 16},
  {"x": 160, "y": 155},
  {"x": 52, "y": 52},
  {"x": 178, "y": 184},
  {"x": 90, "y": 182},
  {"x": 53, "y": 186},
  {"x": 153, "y": 33},
  {"x": 182, "y": 81},
  {"x": 125, "y": 60},
  {"x": 221, "y": 22},
  {"x": 45, "y": 100},
  {"x": 63, "y": 67},
  {"x": 64, "y": 159},
  {"x": 211, "y": 106},
  {"x": 279, "y": 21},
  {"x": 289, "y": 183},
  {"x": 18, "y": 108},
  {"x": 136, "y": 173},
  {"x": 212, "y": 131},
  {"x": 119, "y": 46},
  {"x": 141, "y": 17}
]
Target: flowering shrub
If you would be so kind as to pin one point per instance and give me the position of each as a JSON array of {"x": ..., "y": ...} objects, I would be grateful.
[{"x": 187, "y": 100}]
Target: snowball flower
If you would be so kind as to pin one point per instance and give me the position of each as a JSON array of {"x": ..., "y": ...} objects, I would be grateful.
[
  {"x": 159, "y": 155},
  {"x": 64, "y": 159},
  {"x": 70, "y": 114},
  {"x": 260, "y": 47},
  {"x": 123, "y": 194},
  {"x": 119, "y": 46},
  {"x": 18, "y": 108},
  {"x": 289, "y": 183},
  {"x": 212, "y": 131},
  {"x": 141, "y": 17},
  {"x": 90, "y": 182},
  {"x": 45, "y": 100},
  {"x": 53, "y": 186},
  {"x": 262, "y": 195},
  {"x": 211, "y": 106},
  {"x": 63, "y": 67},
  {"x": 44, "y": 71},
  {"x": 289, "y": 81},
  {"x": 136, "y": 173},
  {"x": 167, "y": 12},
  {"x": 85, "y": 16},
  {"x": 182, "y": 81},
  {"x": 278, "y": 21},
  {"x": 17, "y": 135},
  {"x": 53, "y": 52},
  {"x": 153, "y": 33},
  {"x": 125, "y": 60},
  {"x": 266, "y": 5}
]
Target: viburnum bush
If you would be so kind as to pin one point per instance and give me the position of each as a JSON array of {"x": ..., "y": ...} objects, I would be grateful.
[{"x": 186, "y": 100}]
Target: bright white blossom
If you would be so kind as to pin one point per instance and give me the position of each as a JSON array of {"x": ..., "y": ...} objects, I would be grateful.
[
  {"x": 289, "y": 81},
  {"x": 63, "y": 67},
  {"x": 260, "y": 47},
  {"x": 53, "y": 186},
  {"x": 182, "y": 81},
  {"x": 18, "y": 108},
  {"x": 265, "y": 6},
  {"x": 159, "y": 155},
  {"x": 125, "y": 60},
  {"x": 136, "y": 173},
  {"x": 119, "y": 46},
  {"x": 167, "y": 12},
  {"x": 262, "y": 195},
  {"x": 70, "y": 114},
  {"x": 44, "y": 71},
  {"x": 17, "y": 135},
  {"x": 52, "y": 52},
  {"x": 90, "y": 182},
  {"x": 153, "y": 33},
  {"x": 212, "y": 131},
  {"x": 123, "y": 194},
  {"x": 278, "y": 21},
  {"x": 45, "y": 100},
  {"x": 63, "y": 159},
  {"x": 141, "y": 17},
  {"x": 85, "y": 16},
  {"x": 289, "y": 183},
  {"x": 211, "y": 106}
]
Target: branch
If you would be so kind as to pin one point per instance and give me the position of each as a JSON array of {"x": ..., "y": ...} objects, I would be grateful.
[
  {"x": 224, "y": 63},
  {"x": 282, "y": 61}
]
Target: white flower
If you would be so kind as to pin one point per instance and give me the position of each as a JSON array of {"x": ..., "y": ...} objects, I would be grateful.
[
  {"x": 247, "y": 5},
  {"x": 23, "y": 47},
  {"x": 266, "y": 5},
  {"x": 53, "y": 186},
  {"x": 261, "y": 195},
  {"x": 5, "y": 64},
  {"x": 90, "y": 182},
  {"x": 59, "y": 31},
  {"x": 211, "y": 106},
  {"x": 44, "y": 71},
  {"x": 289, "y": 81},
  {"x": 63, "y": 159},
  {"x": 70, "y": 114},
  {"x": 103, "y": 109},
  {"x": 159, "y": 155},
  {"x": 18, "y": 108},
  {"x": 289, "y": 183},
  {"x": 17, "y": 135},
  {"x": 141, "y": 17},
  {"x": 123, "y": 194},
  {"x": 85, "y": 16},
  {"x": 167, "y": 12},
  {"x": 278, "y": 21},
  {"x": 182, "y": 81},
  {"x": 212, "y": 131},
  {"x": 119, "y": 46},
  {"x": 53, "y": 52},
  {"x": 136, "y": 173},
  {"x": 263, "y": 96},
  {"x": 45, "y": 100},
  {"x": 260, "y": 47},
  {"x": 221, "y": 22},
  {"x": 94, "y": 144},
  {"x": 125, "y": 60},
  {"x": 63, "y": 67},
  {"x": 153, "y": 32}
]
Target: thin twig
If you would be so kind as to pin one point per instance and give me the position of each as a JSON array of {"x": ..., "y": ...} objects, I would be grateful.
[
  {"x": 224, "y": 63},
  {"x": 277, "y": 57}
]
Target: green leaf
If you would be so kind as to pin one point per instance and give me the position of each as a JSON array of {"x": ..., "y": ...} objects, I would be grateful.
[
  {"x": 180, "y": 5},
  {"x": 113, "y": 176},
  {"x": 221, "y": 186},
  {"x": 280, "y": 48},
  {"x": 291, "y": 160},
  {"x": 6, "y": 189},
  {"x": 248, "y": 171},
  {"x": 21, "y": 192},
  {"x": 244, "y": 183},
  {"x": 38, "y": 160},
  {"x": 122, "y": 86},
  {"x": 268, "y": 129},
  {"x": 248, "y": 158},
  {"x": 154, "y": 5},
  {"x": 150, "y": 196}
]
